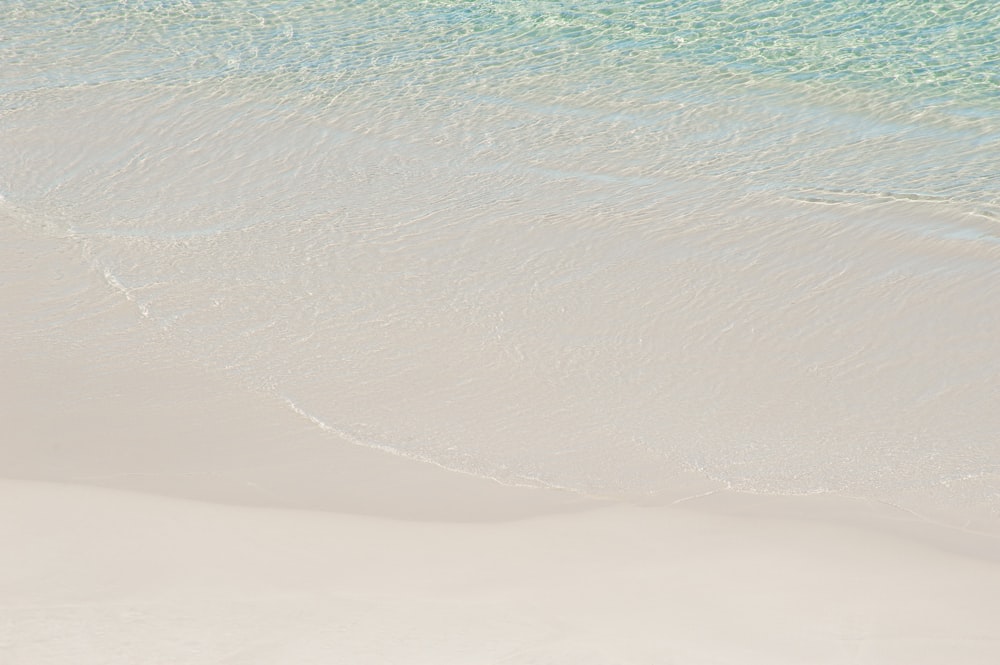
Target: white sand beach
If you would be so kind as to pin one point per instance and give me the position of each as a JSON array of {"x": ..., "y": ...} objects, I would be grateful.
[
  {"x": 154, "y": 512},
  {"x": 499, "y": 333}
]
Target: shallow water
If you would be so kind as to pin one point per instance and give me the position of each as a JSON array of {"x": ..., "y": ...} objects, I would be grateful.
[{"x": 574, "y": 244}]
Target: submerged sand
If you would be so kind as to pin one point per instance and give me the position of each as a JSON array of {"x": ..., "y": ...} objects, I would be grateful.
[{"x": 155, "y": 511}]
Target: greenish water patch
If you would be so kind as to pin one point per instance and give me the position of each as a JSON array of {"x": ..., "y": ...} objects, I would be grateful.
[{"x": 930, "y": 53}]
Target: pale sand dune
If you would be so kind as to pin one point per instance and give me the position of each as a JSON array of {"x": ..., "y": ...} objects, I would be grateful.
[
  {"x": 154, "y": 512},
  {"x": 100, "y": 576},
  {"x": 402, "y": 562}
]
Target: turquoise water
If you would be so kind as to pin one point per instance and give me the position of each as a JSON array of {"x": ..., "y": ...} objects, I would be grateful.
[
  {"x": 917, "y": 84},
  {"x": 583, "y": 244},
  {"x": 922, "y": 54}
]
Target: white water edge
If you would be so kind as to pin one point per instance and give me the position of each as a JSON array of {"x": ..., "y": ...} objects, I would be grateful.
[
  {"x": 567, "y": 329},
  {"x": 565, "y": 268}
]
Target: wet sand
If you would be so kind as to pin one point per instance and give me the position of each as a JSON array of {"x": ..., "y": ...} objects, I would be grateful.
[{"x": 153, "y": 510}]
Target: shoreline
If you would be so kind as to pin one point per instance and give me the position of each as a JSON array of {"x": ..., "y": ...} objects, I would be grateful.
[
  {"x": 114, "y": 404},
  {"x": 152, "y": 510}
]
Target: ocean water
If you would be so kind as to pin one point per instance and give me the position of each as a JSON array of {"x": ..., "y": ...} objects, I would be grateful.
[{"x": 591, "y": 245}]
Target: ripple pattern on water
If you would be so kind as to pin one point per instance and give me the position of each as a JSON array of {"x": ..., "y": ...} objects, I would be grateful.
[{"x": 583, "y": 244}]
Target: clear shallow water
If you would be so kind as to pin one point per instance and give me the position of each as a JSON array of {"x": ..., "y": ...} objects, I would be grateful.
[{"x": 576, "y": 244}]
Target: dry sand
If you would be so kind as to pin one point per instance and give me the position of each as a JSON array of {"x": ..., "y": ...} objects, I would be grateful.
[{"x": 153, "y": 511}]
